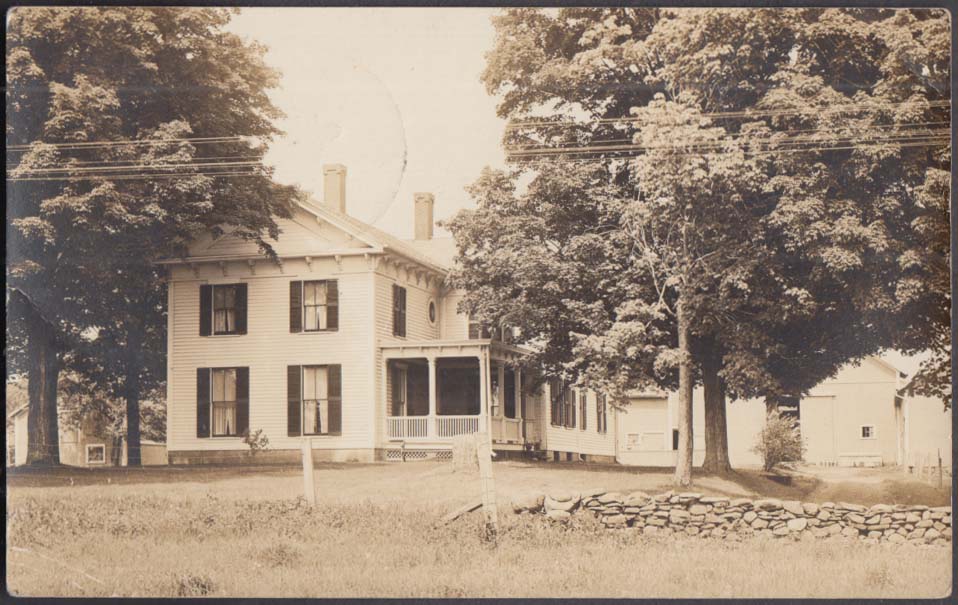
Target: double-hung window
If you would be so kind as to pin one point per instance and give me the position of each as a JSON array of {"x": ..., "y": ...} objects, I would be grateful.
[
  {"x": 222, "y": 402},
  {"x": 555, "y": 396},
  {"x": 222, "y": 309},
  {"x": 569, "y": 399},
  {"x": 601, "y": 411},
  {"x": 315, "y": 400},
  {"x": 399, "y": 311},
  {"x": 314, "y": 306}
]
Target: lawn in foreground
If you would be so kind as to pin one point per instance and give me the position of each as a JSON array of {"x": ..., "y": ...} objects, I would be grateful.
[{"x": 196, "y": 539}]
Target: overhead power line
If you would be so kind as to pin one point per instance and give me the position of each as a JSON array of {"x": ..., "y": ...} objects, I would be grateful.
[
  {"x": 551, "y": 151},
  {"x": 760, "y": 113},
  {"x": 932, "y": 142},
  {"x": 73, "y": 162},
  {"x": 772, "y": 135},
  {"x": 97, "y": 169},
  {"x": 126, "y": 142},
  {"x": 134, "y": 176}
]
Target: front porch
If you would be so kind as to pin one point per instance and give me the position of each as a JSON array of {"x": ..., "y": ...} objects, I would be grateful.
[{"x": 435, "y": 391}]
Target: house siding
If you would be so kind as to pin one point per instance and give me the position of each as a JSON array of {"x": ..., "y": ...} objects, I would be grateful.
[
  {"x": 589, "y": 441},
  {"x": 418, "y": 327},
  {"x": 269, "y": 347}
]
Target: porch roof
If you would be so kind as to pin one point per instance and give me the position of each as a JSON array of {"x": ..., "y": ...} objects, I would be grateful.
[{"x": 452, "y": 348}]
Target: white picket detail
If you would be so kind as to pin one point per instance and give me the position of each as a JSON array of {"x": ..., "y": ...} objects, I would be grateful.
[
  {"x": 407, "y": 427},
  {"x": 450, "y": 426}
]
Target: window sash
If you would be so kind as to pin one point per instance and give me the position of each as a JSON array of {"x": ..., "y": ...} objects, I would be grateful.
[
  {"x": 316, "y": 401},
  {"x": 224, "y": 419},
  {"x": 224, "y": 309},
  {"x": 316, "y": 303}
]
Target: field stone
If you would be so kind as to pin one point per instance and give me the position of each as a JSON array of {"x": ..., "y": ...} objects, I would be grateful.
[
  {"x": 565, "y": 506},
  {"x": 855, "y": 508},
  {"x": 834, "y": 529},
  {"x": 610, "y": 498},
  {"x": 780, "y": 531},
  {"x": 698, "y": 509},
  {"x": 742, "y": 502},
  {"x": 678, "y": 515},
  {"x": 850, "y": 532},
  {"x": 691, "y": 530},
  {"x": 528, "y": 502},
  {"x": 797, "y": 524},
  {"x": 931, "y": 534},
  {"x": 558, "y": 515},
  {"x": 690, "y": 496},
  {"x": 912, "y": 518},
  {"x": 768, "y": 504},
  {"x": 650, "y": 530},
  {"x": 880, "y": 509},
  {"x": 615, "y": 520},
  {"x": 925, "y": 523},
  {"x": 794, "y": 507},
  {"x": 750, "y": 516},
  {"x": 593, "y": 493},
  {"x": 759, "y": 524},
  {"x": 855, "y": 518}
]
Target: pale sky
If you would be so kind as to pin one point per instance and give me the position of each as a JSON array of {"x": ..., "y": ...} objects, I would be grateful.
[{"x": 391, "y": 93}]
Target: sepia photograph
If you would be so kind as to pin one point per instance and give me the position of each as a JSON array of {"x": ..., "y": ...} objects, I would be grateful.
[{"x": 634, "y": 302}]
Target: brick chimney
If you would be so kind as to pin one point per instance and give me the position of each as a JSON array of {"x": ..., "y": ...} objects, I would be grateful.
[
  {"x": 334, "y": 187},
  {"x": 423, "y": 215}
]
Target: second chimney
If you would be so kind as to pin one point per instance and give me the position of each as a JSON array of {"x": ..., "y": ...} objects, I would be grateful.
[
  {"x": 423, "y": 215},
  {"x": 334, "y": 187}
]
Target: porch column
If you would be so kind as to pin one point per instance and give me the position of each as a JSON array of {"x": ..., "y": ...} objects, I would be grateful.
[
  {"x": 518, "y": 395},
  {"x": 431, "y": 423},
  {"x": 501, "y": 389},
  {"x": 483, "y": 385}
]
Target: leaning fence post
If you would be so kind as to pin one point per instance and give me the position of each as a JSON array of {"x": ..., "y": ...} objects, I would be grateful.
[
  {"x": 484, "y": 454},
  {"x": 309, "y": 488}
]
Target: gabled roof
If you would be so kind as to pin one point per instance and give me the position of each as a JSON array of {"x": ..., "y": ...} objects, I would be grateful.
[
  {"x": 372, "y": 236},
  {"x": 441, "y": 250}
]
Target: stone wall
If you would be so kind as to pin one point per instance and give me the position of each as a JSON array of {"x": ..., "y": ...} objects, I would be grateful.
[{"x": 733, "y": 518}]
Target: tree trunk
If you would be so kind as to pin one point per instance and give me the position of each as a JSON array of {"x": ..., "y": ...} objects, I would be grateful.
[
  {"x": 133, "y": 418},
  {"x": 43, "y": 437},
  {"x": 716, "y": 425},
  {"x": 683, "y": 464}
]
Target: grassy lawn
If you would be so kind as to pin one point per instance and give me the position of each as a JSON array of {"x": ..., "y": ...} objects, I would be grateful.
[{"x": 223, "y": 531}]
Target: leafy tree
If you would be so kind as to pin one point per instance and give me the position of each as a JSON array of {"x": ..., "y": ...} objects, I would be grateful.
[
  {"x": 115, "y": 117},
  {"x": 833, "y": 151}
]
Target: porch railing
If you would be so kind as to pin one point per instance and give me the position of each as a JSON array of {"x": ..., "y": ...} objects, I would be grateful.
[
  {"x": 407, "y": 427},
  {"x": 450, "y": 426}
]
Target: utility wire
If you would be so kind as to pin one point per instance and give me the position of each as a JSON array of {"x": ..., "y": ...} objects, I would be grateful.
[
  {"x": 115, "y": 143},
  {"x": 94, "y": 169},
  {"x": 133, "y": 177},
  {"x": 771, "y": 134},
  {"x": 713, "y": 144},
  {"x": 943, "y": 141},
  {"x": 735, "y": 114},
  {"x": 119, "y": 162}
]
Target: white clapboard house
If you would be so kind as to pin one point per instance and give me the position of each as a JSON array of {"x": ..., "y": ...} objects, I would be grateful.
[{"x": 350, "y": 337}]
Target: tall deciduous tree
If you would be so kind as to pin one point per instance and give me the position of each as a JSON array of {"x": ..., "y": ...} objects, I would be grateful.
[
  {"x": 834, "y": 109},
  {"x": 115, "y": 120}
]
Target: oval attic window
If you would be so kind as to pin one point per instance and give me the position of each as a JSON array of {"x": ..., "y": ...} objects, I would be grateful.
[{"x": 432, "y": 311}]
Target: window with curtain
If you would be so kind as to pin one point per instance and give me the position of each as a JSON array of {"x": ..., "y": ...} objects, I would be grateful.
[
  {"x": 316, "y": 399},
  {"x": 316, "y": 303},
  {"x": 223, "y": 402},
  {"x": 224, "y": 309}
]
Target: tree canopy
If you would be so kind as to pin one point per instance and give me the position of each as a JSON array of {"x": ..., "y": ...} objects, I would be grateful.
[
  {"x": 129, "y": 132},
  {"x": 807, "y": 147}
]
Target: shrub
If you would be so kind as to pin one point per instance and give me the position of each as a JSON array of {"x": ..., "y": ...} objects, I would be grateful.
[
  {"x": 780, "y": 441},
  {"x": 257, "y": 441}
]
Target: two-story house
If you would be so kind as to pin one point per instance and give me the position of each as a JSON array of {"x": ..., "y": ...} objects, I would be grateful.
[{"x": 352, "y": 337}]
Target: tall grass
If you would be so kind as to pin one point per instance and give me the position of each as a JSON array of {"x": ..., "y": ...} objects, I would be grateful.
[{"x": 168, "y": 546}]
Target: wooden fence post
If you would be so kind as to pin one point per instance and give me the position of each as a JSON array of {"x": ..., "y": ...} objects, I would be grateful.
[
  {"x": 484, "y": 455},
  {"x": 309, "y": 488},
  {"x": 939, "y": 469}
]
